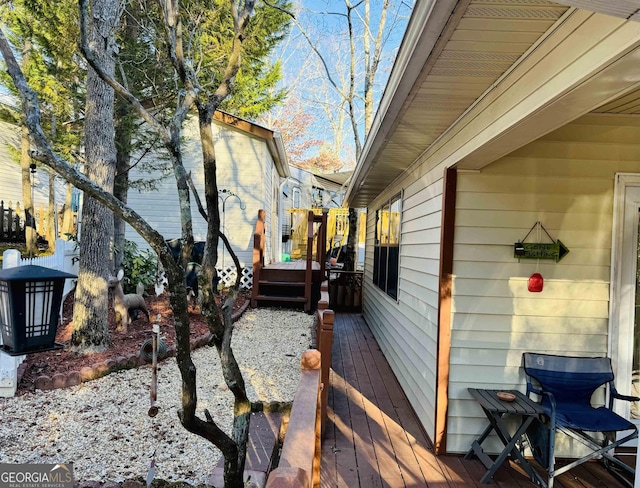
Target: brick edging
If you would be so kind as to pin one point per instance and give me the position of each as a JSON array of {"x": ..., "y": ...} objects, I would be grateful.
[{"x": 98, "y": 370}]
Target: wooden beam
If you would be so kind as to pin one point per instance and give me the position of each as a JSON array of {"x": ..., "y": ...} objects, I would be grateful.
[
  {"x": 444, "y": 309},
  {"x": 243, "y": 125}
]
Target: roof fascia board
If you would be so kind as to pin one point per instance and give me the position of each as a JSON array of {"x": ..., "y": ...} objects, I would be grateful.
[
  {"x": 279, "y": 155},
  {"x": 243, "y": 125},
  {"x": 426, "y": 25}
]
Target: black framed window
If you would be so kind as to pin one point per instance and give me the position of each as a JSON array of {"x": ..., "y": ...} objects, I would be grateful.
[
  {"x": 317, "y": 194},
  {"x": 386, "y": 252}
]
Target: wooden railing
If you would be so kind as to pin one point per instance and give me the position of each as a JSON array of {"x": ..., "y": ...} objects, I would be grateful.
[
  {"x": 324, "y": 343},
  {"x": 321, "y": 253},
  {"x": 258, "y": 255},
  {"x": 337, "y": 229},
  {"x": 299, "y": 465}
]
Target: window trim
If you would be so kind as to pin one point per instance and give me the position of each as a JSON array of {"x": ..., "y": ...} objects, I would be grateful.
[
  {"x": 396, "y": 198},
  {"x": 296, "y": 194}
]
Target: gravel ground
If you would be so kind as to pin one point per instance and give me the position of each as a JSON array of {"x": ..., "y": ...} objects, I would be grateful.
[{"x": 103, "y": 428}]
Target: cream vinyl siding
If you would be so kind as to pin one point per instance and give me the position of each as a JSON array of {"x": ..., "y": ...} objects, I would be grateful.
[
  {"x": 244, "y": 166},
  {"x": 406, "y": 329},
  {"x": 11, "y": 176},
  {"x": 564, "y": 180}
]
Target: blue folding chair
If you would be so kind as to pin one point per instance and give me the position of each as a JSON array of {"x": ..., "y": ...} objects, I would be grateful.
[{"x": 565, "y": 385}]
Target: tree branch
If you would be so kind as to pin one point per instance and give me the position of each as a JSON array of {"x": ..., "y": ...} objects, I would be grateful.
[
  {"x": 227, "y": 244},
  {"x": 312, "y": 45}
]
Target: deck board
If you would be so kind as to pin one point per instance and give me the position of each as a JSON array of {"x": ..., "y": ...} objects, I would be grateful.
[
  {"x": 298, "y": 264},
  {"x": 373, "y": 438}
]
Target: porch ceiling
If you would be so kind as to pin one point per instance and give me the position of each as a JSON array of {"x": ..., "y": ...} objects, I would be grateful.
[
  {"x": 627, "y": 104},
  {"x": 480, "y": 41}
]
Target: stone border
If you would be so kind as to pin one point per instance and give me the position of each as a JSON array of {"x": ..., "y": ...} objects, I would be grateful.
[{"x": 98, "y": 370}]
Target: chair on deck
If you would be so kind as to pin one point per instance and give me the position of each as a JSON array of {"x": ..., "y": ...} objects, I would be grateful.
[{"x": 565, "y": 386}]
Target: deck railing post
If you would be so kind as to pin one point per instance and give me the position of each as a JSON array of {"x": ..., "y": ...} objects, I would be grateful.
[
  {"x": 258, "y": 254},
  {"x": 299, "y": 465},
  {"x": 308, "y": 273},
  {"x": 258, "y": 261},
  {"x": 325, "y": 344},
  {"x": 322, "y": 243}
]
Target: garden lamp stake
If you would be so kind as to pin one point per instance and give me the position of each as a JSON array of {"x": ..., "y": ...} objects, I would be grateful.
[{"x": 153, "y": 409}]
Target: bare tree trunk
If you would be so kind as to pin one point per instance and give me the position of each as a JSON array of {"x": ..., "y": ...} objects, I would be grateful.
[
  {"x": 51, "y": 212},
  {"x": 372, "y": 61},
  {"x": 29, "y": 220},
  {"x": 222, "y": 330},
  {"x": 25, "y": 165},
  {"x": 352, "y": 90},
  {"x": 121, "y": 184},
  {"x": 90, "y": 324}
]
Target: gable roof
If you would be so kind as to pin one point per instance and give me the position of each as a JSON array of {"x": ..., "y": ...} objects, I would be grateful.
[
  {"x": 459, "y": 57},
  {"x": 339, "y": 178},
  {"x": 273, "y": 139}
]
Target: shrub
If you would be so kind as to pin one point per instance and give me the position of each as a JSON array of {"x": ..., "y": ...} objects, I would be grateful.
[{"x": 139, "y": 267}]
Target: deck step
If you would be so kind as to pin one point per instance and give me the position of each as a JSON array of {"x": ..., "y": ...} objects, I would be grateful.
[
  {"x": 261, "y": 451},
  {"x": 275, "y": 298},
  {"x": 281, "y": 283}
]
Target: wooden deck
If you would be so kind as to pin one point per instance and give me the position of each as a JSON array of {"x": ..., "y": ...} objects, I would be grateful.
[
  {"x": 373, "y": 438},
  {"x": 296, "y": 265}
]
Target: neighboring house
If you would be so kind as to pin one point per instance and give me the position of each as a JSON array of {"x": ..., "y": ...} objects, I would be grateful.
[
  {"x": 306, "y": 190},
  {"x": 251, "y": 168},
  {"x": 497, "y": 116},
  {"x": 11, "y": 175}
]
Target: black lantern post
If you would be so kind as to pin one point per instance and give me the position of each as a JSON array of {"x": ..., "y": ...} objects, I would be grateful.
[{"x": 30, "y": 299}]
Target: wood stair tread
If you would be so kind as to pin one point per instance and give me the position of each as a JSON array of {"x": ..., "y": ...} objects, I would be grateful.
[
  {"x": 281, "y": 283},
  {"x": 277, "y": 298}
]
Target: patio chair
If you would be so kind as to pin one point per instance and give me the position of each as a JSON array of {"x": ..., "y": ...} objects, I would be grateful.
[{"x": 564, "y": 386}]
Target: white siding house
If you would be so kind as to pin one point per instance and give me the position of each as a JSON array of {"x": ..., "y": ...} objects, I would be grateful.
[
  {"x": 251, "y": 164},
  {"x": 305, "y": 189},
  {"x": 497, "y": 117},
  {"x": 10, "y": 173}
]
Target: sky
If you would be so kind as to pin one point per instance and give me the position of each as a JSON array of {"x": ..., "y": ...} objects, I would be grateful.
[
  {"x": 306, "y": 80},
  {"x": 305, "y": 77}
]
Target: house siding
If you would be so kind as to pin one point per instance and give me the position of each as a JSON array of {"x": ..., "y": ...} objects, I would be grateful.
[
  {"x": 406, "y": 329},
  {"x": 565, "y": 180},
  {"x": 244, "y": 167},
  {"x": 11, "y": 176}
]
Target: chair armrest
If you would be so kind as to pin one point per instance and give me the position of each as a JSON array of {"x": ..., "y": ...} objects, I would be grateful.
[
  {"x": 532, "y": 389},
  {"x": 628, "y": 398},
  {"x": 542, "y": 393},
  {"x": 613, "y": 394},
  {"x": 537, "y": 391}
]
